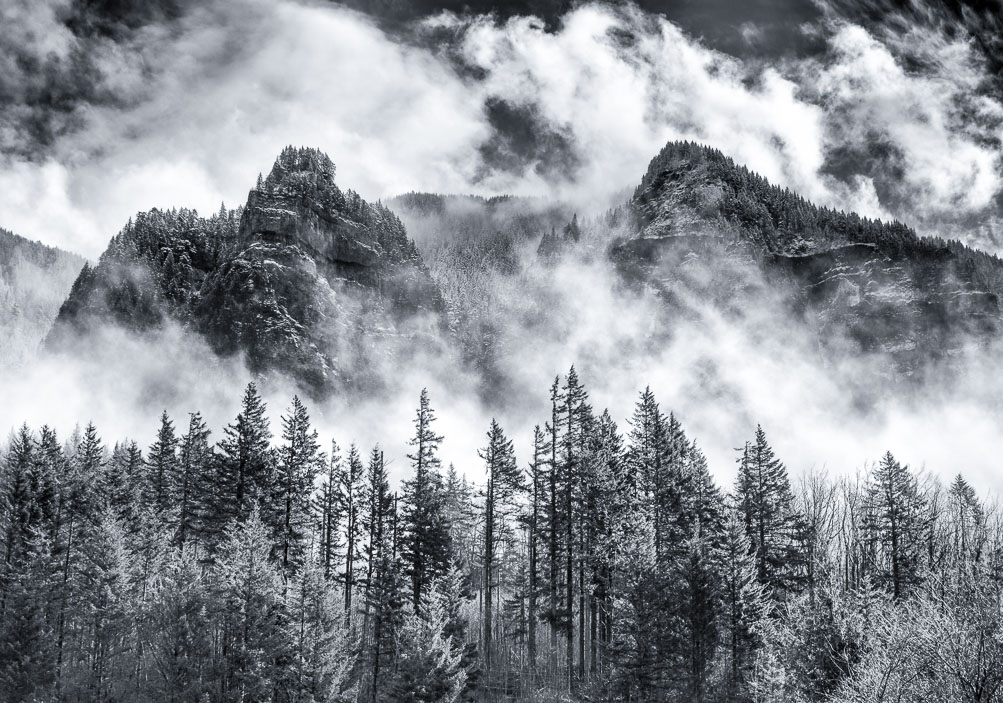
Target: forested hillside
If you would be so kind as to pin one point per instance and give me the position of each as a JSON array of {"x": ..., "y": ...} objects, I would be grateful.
[
  {"x": 263, "y": 563},
  {"x": 34, "y": 279}
]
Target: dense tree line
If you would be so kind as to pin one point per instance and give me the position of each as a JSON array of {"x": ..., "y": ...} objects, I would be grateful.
[{"x": 605, "y": 565}]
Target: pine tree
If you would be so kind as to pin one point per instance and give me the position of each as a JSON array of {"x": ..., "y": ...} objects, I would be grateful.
[
  {"x": 383, "y": 607},
  {"x": 161, "y": 462},
  {"x": 80, "y": 509},
  {"x": 180, "y": 641},
  {"x": 745, "y": 602},
  {"x": 429, "y": 667},
  {"x": 289, "y": 510},
  {"x": 27, "y": 639},
  {"x": 123, "y": 479},
  {"x": 556, "y": 616},
  {"x": 17, "y": 507},
  {"x": 767, "y": 506},
  {"x": 104, "y": 580},
  {"x": 898, "y": 522},
  {"x": 504, "y": 483},
  {"x": 351, "y": 494},
  {"x": 251, "y": 613},
  {"x": 322, "y": 659},
  {"x": 193, "y": 482},
  {"x": 534, "y": 526},
  {"x": 427, "y": 548},
  {"x": 576, "y": 417},
  {"x": 245, "y": 461},
  {"x": 328, "y": 509}
]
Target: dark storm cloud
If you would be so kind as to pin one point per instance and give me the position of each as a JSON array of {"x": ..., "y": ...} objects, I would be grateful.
[
  {"x": 53, "y": 59},
  {"x": 751, "y": 27},
  {"x": 520, "y": 136}
]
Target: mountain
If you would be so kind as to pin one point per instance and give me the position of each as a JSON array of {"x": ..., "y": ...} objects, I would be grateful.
[
  {"x": 305, "y": 279},
  {"x": 34, "y": 280},
  {"x": 313, "y": 282},
  {"x": 864, "y": 285}
]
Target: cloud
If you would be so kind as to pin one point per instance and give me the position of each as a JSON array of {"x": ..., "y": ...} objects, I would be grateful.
[
  {"x": 186, "y": 111},
  {"x": 925, "y": 133},
  {"x": 204, "y": 101}
]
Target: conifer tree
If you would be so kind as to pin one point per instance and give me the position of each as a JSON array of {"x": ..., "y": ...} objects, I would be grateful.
[
  {"x": 383, "y": 607},
  {"x": 289, "y": 508},
  {"x": 767, "y": 506},
  {"x": 898, "y": 521},
  {"x": 429, "y": 667},
  {"x": 427, "y": 548},
  {"x": 123, "y": 480},
  {"x": 534, "y": 528},
  {"x": 17, "y": 508},
  {"x": 161, "y": 462},
  {"x": 351, "y": 495},
  {"x": 27, "y": 639},
  {"x": 322, "y": 657},
  {"x": 746, "y": 603},
  {"x": 556, "y": 616},
  {"x": 180, "y": 643},
  {"x": 192, "y": 485},
  {"x": 328, "y": 509},
  {"x": 504, "y": 483},
  {"x": 245, "y": 461},
  {"x": 103, "y": 612},
  {"x": 251, "y": 612}
]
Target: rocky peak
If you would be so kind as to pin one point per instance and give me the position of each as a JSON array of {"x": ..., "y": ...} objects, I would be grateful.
[
  {"x": 300, "y": 203},
  {"x": 295, "y": 281}
]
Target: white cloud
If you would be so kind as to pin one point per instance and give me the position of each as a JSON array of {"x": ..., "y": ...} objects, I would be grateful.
[{"x": 242, "y": 78}]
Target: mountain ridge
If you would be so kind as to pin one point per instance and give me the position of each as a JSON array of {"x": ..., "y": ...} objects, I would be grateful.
[{"x": 312, "y": 281}]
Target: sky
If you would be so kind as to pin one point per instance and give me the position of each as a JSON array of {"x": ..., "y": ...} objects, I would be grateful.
[
  {"x": 890, "y": 109},
  {"x": 109, "y": 108}
]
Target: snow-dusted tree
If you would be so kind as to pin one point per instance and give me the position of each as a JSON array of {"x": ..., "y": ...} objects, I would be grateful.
[
  {"x": 429, "y": 666},
  {"x": 351, "y": 496},
  {"x": 161, "y": 468},
  {"x": 427, "y": 548},
  {"x": 898, "y": 522},
  {"x": 245, "y": 461},
  {"x": 504, "y": 484},
  {"x": 289, "y": 507},
  {"x": 250, "y": 612},
  {"x": 322, "y": 649},
  {"x": 767, "y": 505}
]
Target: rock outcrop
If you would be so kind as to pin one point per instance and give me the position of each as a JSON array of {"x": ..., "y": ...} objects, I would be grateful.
[{"x": 304, "y": 280}]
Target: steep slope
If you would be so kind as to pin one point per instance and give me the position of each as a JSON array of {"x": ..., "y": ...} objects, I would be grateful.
[
  {"x": 34, "y": 280},
  {"x": 873, "y": 286},
  {"x": 303, "y": 280}
]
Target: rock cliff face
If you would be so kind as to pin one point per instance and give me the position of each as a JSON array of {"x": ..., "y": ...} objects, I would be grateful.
[
  {"x": 877, "y": 287},
  {"x": 303, "y": 280}
]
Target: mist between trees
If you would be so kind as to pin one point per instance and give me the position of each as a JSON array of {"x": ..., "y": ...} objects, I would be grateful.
[{"x": 606, "y": 565}]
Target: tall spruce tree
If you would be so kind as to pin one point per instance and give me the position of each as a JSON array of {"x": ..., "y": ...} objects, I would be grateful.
[
  {"x": 767, "y": 505},
  {"x": 245, "y": 461},
  {"x": 351, "y": 496},
  {"x": 162, "y": 466},
  {"x": 289, "y": 507},
  {"x": 504, "y": 484},
  {"x": 427, "y": 547},
  {"x": 897, "y": 519},
  {"x": 192, "y": 483}
]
